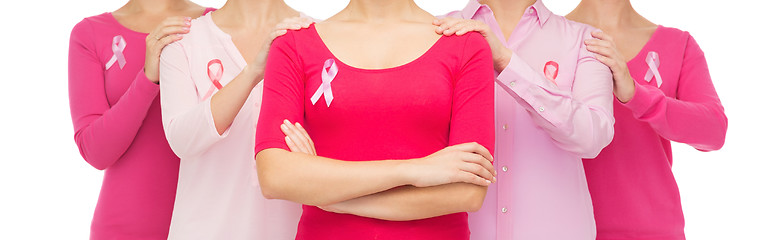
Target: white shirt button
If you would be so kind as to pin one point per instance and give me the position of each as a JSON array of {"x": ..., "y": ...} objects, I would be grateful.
[
  {"x": 504, "y": 168},
  {"x": 540, "y": 109},
  {"x": 512, "y": 83},
  {"x": 504, "y": 210}
]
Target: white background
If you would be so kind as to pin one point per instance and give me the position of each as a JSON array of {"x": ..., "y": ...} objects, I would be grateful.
[{"x": 47, "y": 191}]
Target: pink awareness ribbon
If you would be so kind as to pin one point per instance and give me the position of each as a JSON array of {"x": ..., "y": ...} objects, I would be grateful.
[
  {"x": 117, "y": 46},
  {"x": 653, "y": 62},
  {"x": 551, "y": 69},
  {"x": 327, "y": 75},
  {"x": 215, "y": 73}
]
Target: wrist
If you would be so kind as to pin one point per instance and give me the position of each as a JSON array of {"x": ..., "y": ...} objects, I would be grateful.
[
  {"x": 254, "y": 75},
  {"x": 625, "y": 93},
  {"x": 403, "y": 171},
  {"x": 153, "y": 79},
  {"x": 501, "y": 59}
]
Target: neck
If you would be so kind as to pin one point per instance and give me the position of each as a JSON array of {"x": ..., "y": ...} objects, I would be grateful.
[
  {"x": 381, "y": 10},
  {"x": 255, "y": 12},
  {"x": 606, "y": 13},
  {"x": 508, "y": 6},
  {"x": 508, "y": 11},
  {"x": 155, "y": 6}
]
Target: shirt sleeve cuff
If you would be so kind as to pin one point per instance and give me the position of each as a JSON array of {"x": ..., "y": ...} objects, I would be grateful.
[
  {"x": 210, "y": 123},
  {"x": 641, "y": 100},
  {"x": 145, "y": 85}
]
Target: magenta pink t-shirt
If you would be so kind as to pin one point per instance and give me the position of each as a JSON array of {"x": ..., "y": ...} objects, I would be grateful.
[
  {"x": 118, "y": 128},
  {"x": 444, "y": 97},
  {"x": 634, "y": 192}
]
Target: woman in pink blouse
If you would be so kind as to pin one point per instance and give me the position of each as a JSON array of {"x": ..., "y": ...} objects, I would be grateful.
[
  {"x": 401, "y": 117},
  {"x": 553, "y": 107},
  {"x": 210, "y": 98},
  {"x": 113, "y": 89},
  {"x": 663, "y": 93}
]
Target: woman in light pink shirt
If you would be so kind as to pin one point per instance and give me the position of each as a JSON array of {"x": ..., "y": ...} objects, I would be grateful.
[
  {"x": 113, "y": 91},
  {"x": 663, "y": 93},
  {"x": 553, "y": 107},
  {"x": 210, "y": 99}
]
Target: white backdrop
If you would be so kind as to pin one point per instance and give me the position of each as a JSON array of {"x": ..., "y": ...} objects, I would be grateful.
[{"x": 47, "y": 191}]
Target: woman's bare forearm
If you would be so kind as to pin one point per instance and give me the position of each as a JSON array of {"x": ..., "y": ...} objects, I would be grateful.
[
  {"x": 411, "y": 203},
  {"x": 313, "y": 180}
]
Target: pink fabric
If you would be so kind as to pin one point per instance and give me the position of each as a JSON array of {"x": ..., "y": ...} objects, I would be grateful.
[
  {"x": 634, "y": 192},
  {"x": 218, "y": 196},
  {"x": 116, "y": 117},
  {"x": 553, "y": 106},
  {"x": 442, "y": 98}
]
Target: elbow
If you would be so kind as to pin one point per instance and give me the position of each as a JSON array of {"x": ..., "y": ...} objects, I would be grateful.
[
  {"x": 716, "y": 139},
  {"x": 268, "y": 190},
  {"x": 270, "y": 187},
  {"x": 592, "y": 149},
  {"x": 474, "y": 198},
  {"x": 100, "y": 165},
  {"x": 97, "y": 162}
]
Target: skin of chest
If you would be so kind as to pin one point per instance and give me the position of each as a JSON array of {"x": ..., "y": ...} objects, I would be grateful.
[
  {"x": 630, "y": 41},
  {"x": 377, "y": 46},
  {"x": 147, "y": 22}
]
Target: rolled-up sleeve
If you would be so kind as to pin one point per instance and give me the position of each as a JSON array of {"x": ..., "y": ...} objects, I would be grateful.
[
  {"x": 579, "y": 120},
  {"x": 187, "y": 121}
]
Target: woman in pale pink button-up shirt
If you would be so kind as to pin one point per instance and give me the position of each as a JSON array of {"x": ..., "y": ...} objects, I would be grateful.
[
  {"x": 553, "y": 107},
  {"x": 210, "y": 100}
]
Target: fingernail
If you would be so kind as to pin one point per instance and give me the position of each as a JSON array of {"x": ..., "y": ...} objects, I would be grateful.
[
  {"x": 494, "y": 179},
  {"x": 284, "y": 126},
  {"x": 496, "y": 172},
  {"x": 286, "y": 121},
  {"x": 186, "y": 28},
  {"x": 489, "y": 182}
]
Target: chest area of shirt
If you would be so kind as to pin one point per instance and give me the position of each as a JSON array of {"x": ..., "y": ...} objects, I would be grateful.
[
  {"x": 213, "y": 65},
  {"x": 553, "y": 58},
  {"x": 658, "y": 68},
  {"x": 121, "y": 57},
  {"x": 333, "y": 90}
]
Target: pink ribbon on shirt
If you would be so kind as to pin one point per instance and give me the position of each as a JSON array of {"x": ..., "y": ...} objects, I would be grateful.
[
  {"x": 327, "y": 75},
  {"x": 117, "y": 46},
  {"x": 551, "y": 69},
  {"x": 653, "y": 62},
  {"x": 215, "y": 73}
]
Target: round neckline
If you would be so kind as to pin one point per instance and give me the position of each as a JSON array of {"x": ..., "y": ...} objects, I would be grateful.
[
  {"x": 117, "y": 22},
  {"x": 375, "y": 70},
  {"x": 646, "y": 45},
  {"x": 214, "y": 26}
]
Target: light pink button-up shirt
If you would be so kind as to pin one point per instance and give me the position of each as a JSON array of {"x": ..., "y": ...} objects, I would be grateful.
[{"x": 553, "y": 107}]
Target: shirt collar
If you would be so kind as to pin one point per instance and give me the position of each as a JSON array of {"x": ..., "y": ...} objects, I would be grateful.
[{"x": 542, "y": 13}]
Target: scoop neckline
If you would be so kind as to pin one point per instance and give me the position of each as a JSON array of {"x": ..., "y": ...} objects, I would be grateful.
[
  {"x": 376, "y": 70},
  {"x": 118, "y": 23}
]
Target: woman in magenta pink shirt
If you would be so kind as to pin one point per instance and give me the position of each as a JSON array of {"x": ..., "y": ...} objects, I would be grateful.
[
  {"x": 383, "y": 98},
  {"x": 113, "y": 89},
  {"x": 663, "y": 93}
]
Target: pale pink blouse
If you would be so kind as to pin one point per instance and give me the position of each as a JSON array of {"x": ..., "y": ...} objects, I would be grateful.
[{"x": 218, "y": 196}]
